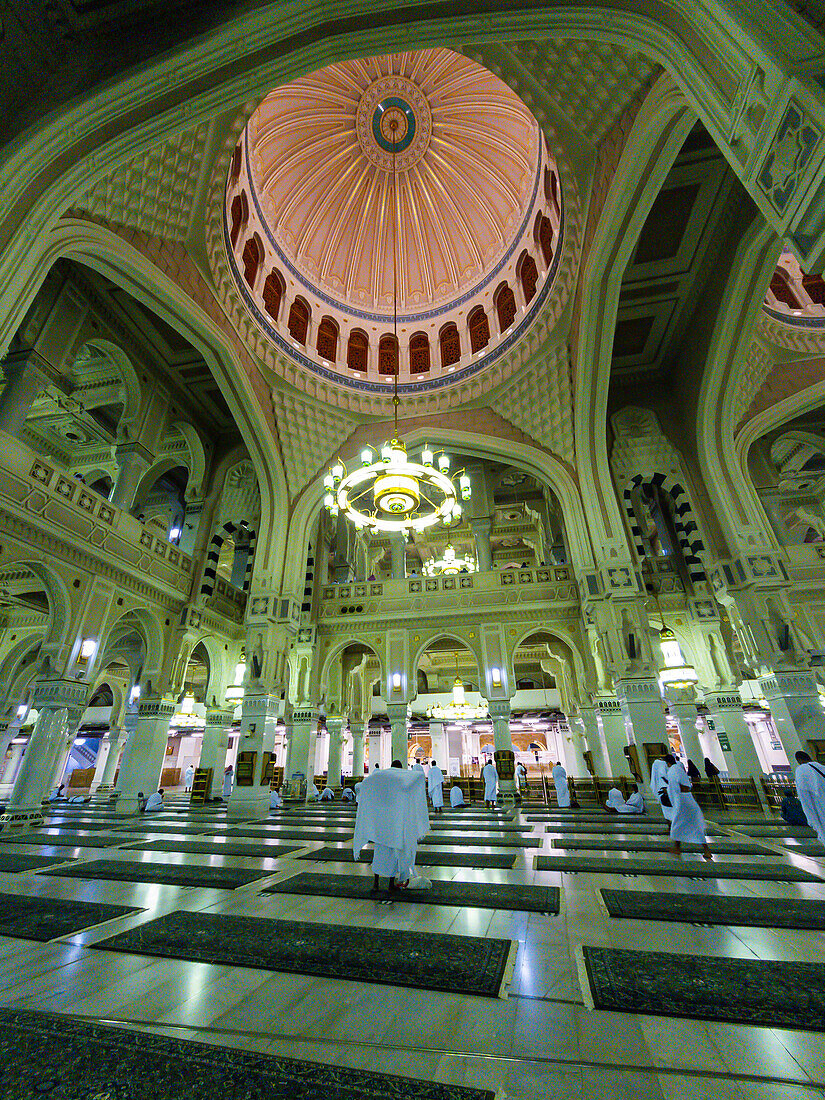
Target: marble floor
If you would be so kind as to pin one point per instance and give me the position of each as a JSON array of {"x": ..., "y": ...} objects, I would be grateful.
[{"x": 540, "y": 1041}]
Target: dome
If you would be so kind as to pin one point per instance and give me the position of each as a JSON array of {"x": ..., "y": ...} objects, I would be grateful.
[{"x": 426, "y": 157}]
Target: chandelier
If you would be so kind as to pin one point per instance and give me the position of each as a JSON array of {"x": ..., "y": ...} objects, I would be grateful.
[
  {"x": 449, "y": 565},
  {"x": 676, "y": 673},
  {"x": 392, "y": 492},
  {"x": 459, "y": 710}
]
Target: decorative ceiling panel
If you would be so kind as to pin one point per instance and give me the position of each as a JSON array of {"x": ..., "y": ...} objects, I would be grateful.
[
  {"x": 540, "y": 402},
  {"x": 309, "y": 433}
]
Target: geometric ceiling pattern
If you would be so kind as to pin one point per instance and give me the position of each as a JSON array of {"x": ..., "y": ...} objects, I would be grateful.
[
  {"x": 539, "y": 402},
  {"x": 309, "y": 435}
]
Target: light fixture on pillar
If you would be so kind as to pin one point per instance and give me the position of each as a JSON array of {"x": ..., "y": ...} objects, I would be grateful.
[
  {"x": 186, "y": 717},
  {"x": 459, "y": 710},
  {"x": 676, "y": 672},
  {"x": 392, "y": 492},
  {"x": 234, "y": 693},
  {"x": 449, "y": 564}
]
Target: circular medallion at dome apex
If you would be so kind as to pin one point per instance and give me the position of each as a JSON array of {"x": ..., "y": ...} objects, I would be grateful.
[{"x": 467, "y": 159}]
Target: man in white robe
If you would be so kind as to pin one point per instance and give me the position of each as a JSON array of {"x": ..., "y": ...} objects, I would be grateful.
[
  {"x": 228, "y": 782},
  {"x": 521, "y": 776},
  {"x": 658, "y": 783},
  {"x": 275, "y": 800},
  {"x": 615, "y": 799},
  {"x": 327, "y": 794},
  {"x": 188, "y": 777},
  {"x": 562, "y": 789},
  {"x": 154, "y": 801},
  {"x": 635, "y": 804},
  {"x": 418, "y": 767},
  {"x": 810, "y": 790},
  {"x": 313, "y": 794},
  {"x": 392, "y": 814},
  {"x": 457, "y": 797},
  {"x": 688, "y": 824},
  {"x": 435, "y": 788},
  {"x": 348, "y": 795},
  {"x": 358, "y": 787},
  {"x": 490, "y": 776}
]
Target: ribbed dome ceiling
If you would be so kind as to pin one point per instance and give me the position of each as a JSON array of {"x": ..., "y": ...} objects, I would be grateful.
[{"x": 466, "y": 160}]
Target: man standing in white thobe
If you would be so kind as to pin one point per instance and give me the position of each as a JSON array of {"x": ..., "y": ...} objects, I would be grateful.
[
  {"x": 562, "y": 789},
  {"x": 188, "y": 776},
  {"x": 392, "y": 814},
  {"x": 490, "y": 776},
  {"x": 521, "y": 776},
  {"x": 688, "y": 824},
  {"x": 810, "y": 790},
  {"x": 435, "y": 788},
  {"x": 417, "y": 766},
  {"x": 658, "y": 782},
  {"x": 228, "y": 782}
]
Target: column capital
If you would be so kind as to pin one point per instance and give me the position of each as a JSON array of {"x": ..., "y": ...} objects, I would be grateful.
[
  {"x": 58, "y": 692},
  {"x": 155, "y": 707},
  {"x": 397, "y": 712},
  {"x": 638, "y": 689},
  {"x": 219, "y": 718},
  {"x": 729, "y": 699},
  {"x": 499, "y": 709},
  {"x": 303, "y": 714},
  {"x": 260, "y": 706},
  {"x": 481, "y": 525}
]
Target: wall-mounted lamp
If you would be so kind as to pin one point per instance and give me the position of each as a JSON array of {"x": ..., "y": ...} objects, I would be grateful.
[
  {"x": 495, "y": 677},
  {"x": 396, "y": 681},
  {"x": 21, "y": 710},
  {"x": 87, "y": 648},
  {"x": 134, "y": 694}
]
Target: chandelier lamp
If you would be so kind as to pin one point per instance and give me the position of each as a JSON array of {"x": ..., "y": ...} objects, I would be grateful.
[
  {"x": 449, "y": 564},
  {"x": 391, "y": 492},
  {"x": 676, "y": 673},
  {"x": 459, "y": 710}
]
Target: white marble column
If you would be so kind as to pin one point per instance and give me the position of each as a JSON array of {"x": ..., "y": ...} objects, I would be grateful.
[
  {"x": 144, "y": 754},
  {"x": 481, "y": 529},
  {"x": 304, "y": 733},
  {"x": 642, "y": 706},
  {"x": 63, "y": 748},
  {"x": 588, "y": 720},
  {"x": 614, "y": 735},
  {"x": 13, "y": 764},
  {"x": 398, "y": 556},
  {"x": 24, "y": 381},
  {"x": 796, "y": 708},
  {"x": 399, "y": 743},
  {"x": 375, "y": 749},
  {"x": 682, "y": 703},
  {"x": 214, "y": 745},
  {"x": 727, "y": 722},
  {"x": 106, "y": 763},
  {"x": 259, "y": 718},
  {"x": 502, "y": 742},
  {"x": 133, "y": 462},
  {"x": 356, "y": 729},
  {"x": 336, "y": 743},
  {"x": 439, "y": 748},
  {"x": 574, "y": 749}
]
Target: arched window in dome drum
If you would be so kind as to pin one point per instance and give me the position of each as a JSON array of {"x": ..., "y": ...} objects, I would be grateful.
[
  {"x": 387, "y": 355},
  {"x": 419, "y": 353},
  {"x": 357, "y": 351},
  {"x": 546, "y": 239},
  {"x": 236, "y": 161},
  {"x": 450, "y": 344},
  {"x": 551, "y": 189},
  {"x": 298, "y": 323},
  {"x": 479, "y": 329},
  {"x": 505, "y": 306},
  {"x": 814, "y": 287},
  {"x": 238, "y": 215},
  {"x": 528, "y": 273},
  {"x": 782, "y": 290},
  {"x": 252, "y": 258},
  {"x": 327, "y": 343},
  {"x": 273, "y": 294}
]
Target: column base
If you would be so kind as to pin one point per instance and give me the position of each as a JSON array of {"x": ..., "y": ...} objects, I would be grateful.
[
  {"x": 248, "y": 808},
  {"x": 123, "y": 806},
  {"x": 507, "y": 793},
  {"x": 19, "y": 820}
]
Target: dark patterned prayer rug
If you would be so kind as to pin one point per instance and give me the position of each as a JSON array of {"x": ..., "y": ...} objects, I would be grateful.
[
  {"x": 422, "y": 859},
  {"x": 95, "y": 1061},
  {"x": 739, "y": 991},
  {"x": 11, "y": 862},
  {"x": 479, "y": 895},
  {"x": 420, "y": 960},
  {"x": 216, "y": 848},
  {"x": 732, "y": 848},
  {"x": 165, "y": 874},
  {"x": 66, "y": 839},
  {"x": 683, "y": 868},
  {"x": 38, "y": 918},
  {"x": 341, "y": 836},
  {"x": 716, "y": 909}
]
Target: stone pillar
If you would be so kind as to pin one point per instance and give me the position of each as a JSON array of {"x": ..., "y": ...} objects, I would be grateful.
[
  {"x": 106, "y": 763},
  {"x": 397, "y": 714},
  {"x": 682, "y": 703},
  {"x": 144, "y": 754},
  {"x": 23, "y": 384},
  {"x": 796, "y": 708},
  {"x": 574, "y": 752},
  {"x": 337, "y": 737},
  {"x": 375, "y": 749},
  {"x": 481, "y": 529},
  {"x": 454, "y": 748},
  {"x": 614, "y": 734},
  {"x": 588, "y": 720},
  {"x": 259, "y": 718},
  {"x": 58, "y": 703},
  {"x": 302, "y": 754},
  {"x": 214, "y": 744},
  {"x": 10, "y": 773},
  {"x": 439, "y": 748},
  {"x": 63, "y": 748},
  {"x": 727, "y": 722},
  {"x": 398, "y": 554},
  {"x": 641, "y": 702},
  {"x": 189, "y": 526},
  {"x": 500, "y": 714},
  {"x": 356, "y": 729},
  {"x": 133, "y": 462}
]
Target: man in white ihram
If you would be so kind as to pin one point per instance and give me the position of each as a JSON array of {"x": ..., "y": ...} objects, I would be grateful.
[
  {"x": 435, "y": 787},
  {"x": 490, "y": 776},
  {"x": 188, "y": 777},
  {"x": 562, "y": 789},
  {"x": 810, "y": 790},
  {"x": 688, "y": 824},
  {"x": 392, "y": 813},
  {"x": 658, "y": 783}
]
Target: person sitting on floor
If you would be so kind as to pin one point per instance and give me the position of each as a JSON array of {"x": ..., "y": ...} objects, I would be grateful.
[
  {"x": 141, "y": 801},
  {"x": 57, "y": 794},
  {"x": 347, "y": 794},
  {"x": 275, "y": 800},
  {"x": 78, "y": 798},
  {"x": 358, "y": 787},
  {"x": 457, "y": 797},
  {"x": 615, "y": 799},
  {"x": 635, "y": 804},
  {"x": 154, "y": 801},
  {"x": 313, "y": 794},
  {"x": 327, "y": 795}
]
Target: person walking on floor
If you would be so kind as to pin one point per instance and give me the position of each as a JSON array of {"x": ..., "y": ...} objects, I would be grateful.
[
  {"x": 658, "y": 784},
  {"x": 688, "y": 824},
  {"x": 490, "y": 776},
  {"x": 810, "y": 790},
  {"x": 435, "y": 787},
  {"x": 188, "y": 777},
  {"x": 562, "y": 788}
]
